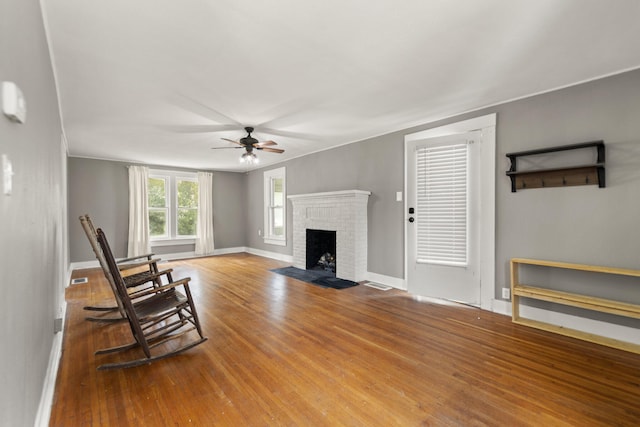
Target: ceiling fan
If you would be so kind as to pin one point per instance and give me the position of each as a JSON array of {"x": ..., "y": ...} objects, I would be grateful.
[{"x": 249, "y": 143}]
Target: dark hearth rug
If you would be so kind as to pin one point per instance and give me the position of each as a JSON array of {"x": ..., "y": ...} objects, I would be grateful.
[{"x": 321, "y": 278}]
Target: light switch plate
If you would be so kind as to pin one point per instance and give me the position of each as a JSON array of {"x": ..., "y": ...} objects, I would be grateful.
[
  {"x": 7, "y": 175},
  {"x": 14, "y": 105}
]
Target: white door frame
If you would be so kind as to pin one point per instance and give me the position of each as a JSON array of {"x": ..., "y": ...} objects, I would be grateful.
[{"x": 487, "y": 125}]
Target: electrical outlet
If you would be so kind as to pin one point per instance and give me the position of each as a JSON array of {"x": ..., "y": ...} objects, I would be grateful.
[
  {"x": 506, "y": 293},
  {"x": 259, "y": 232},
  {"x": 57, "y": 325}
]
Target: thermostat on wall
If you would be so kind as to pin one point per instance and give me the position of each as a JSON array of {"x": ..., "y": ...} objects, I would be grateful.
[{"x": 14, "y": 105}]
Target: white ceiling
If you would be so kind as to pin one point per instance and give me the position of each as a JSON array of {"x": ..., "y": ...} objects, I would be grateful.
[{"x": 162, "y": 81}]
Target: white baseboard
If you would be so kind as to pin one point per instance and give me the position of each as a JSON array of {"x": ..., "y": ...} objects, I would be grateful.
[
  {"x": 67, "y": 281},
  {"x": 176, "y": 256},
  {"x": 269, "y": 254},
  {"x": 81, "y": 265},
  {"x": 394, "y": 282},
  {"x": 583, "y": 324},
  {"x": 186, "y": 255},
  {"x": 226, "y": 251},
  {"x": 596, "y": 327},
  {"x": 501, "y": 306},
  {"x": 48, "y": 389}
]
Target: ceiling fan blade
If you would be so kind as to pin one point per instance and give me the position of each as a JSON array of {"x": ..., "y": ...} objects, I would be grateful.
[
  {"x": 271, "y": 150},
  {"x": 235, "y": 142},
  {"x": 224, "y": 148},
  {"x": 265, "y": 144}
]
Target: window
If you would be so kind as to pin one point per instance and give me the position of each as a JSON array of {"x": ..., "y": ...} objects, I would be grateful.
[
  {"x": 173, "y": 205},
  {"x": 158, "y": 207},
  {"x": 275, "y": 204},
  {"x": 187, "y": 207}
]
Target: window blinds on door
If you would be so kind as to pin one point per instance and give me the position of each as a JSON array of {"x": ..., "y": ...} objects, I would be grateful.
[{"x": 441, "y": 210}]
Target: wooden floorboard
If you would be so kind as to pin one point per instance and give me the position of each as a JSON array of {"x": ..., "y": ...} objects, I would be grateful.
[{"x": 285, "y": 352}]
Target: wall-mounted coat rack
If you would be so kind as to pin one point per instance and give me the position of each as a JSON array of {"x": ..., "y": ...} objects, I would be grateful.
[{"x": 590, "y": 174}]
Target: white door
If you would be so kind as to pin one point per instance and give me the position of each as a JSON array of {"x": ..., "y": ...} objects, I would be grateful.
[{"x": 443, "y": 228}]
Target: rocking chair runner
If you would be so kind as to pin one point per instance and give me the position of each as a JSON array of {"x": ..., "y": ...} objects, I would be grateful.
[
  {"x": 153, "y": 320},
  {"x": 150, "y": 274}
]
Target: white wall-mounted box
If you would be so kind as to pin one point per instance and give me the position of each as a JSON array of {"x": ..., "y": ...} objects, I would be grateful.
[{"x": 14, "y": 105}]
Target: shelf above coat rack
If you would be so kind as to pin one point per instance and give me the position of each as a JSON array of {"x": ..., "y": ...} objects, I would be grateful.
[{"x": 589, "y": 174}]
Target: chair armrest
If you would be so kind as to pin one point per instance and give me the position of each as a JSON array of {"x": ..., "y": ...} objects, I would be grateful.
[
  {"x": 130, "y": 265},
  {"x": 147, "y": 256}
]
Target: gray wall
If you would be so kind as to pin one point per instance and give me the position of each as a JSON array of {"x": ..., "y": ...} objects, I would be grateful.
[
  {"x": 100, "y": 188},
  {"x": 576, "y": 224},
  {"x": 32, "y": 220},
  {"x": 229, "y": 209}
]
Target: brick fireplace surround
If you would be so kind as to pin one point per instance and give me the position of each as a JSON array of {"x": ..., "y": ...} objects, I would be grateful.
[{"x": 344, "y": 212}]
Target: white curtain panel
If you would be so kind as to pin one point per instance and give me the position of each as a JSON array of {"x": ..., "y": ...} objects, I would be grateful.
[
  {"x": 204, "y": 233},
  {"x": 139, "y": 242}
]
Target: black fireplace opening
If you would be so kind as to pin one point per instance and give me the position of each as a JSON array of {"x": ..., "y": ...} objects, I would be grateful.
[{"x": 321, "y": 250}]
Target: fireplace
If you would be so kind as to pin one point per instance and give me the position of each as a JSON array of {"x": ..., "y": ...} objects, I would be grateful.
[
  {"x": 321, "y": 250},
  {"x": 341, "y": 212}
]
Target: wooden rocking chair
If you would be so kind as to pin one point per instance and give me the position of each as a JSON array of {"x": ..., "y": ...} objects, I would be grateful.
[
  {"x": 162, "y": 315},
  {"x": 150, "y": 276}
]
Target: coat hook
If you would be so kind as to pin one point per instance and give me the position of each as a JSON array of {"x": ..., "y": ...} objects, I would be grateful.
[
  {"x": 564, "y": 181},
  {"x": 542, "y": 181}
]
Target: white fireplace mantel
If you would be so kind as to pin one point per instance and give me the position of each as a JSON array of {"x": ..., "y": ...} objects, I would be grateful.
[
  {"x": 343, "y": 193},
  {"x": 344, "y": 212}
]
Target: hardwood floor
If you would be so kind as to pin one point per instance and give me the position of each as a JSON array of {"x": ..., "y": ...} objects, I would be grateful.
[{"x": 284, "y": 352}]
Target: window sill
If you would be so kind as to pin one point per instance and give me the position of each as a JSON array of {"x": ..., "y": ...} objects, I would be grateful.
[
  {"x": 173, "y": 242},
  {"x": 275, "y": 241}
]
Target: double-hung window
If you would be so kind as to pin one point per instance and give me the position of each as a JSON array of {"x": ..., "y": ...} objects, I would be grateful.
[
  {"x": 173, "y": 206},
  {"x": 275, "y": 204}
]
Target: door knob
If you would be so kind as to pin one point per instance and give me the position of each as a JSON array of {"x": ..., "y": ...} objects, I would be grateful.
[{"x": 411, "y": 219}]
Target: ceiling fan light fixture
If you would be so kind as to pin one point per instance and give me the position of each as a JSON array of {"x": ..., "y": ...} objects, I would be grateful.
[{"x": 249, "y": 158}]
